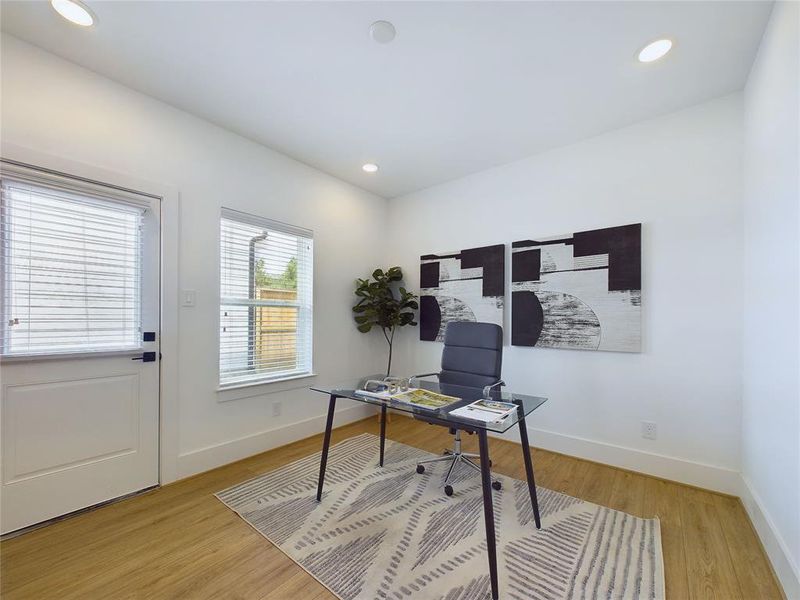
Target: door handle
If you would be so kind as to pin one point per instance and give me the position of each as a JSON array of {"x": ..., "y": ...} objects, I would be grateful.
[{"x": 146, "y": 357}]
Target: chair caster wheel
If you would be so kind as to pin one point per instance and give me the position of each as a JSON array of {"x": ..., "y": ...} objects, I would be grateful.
[
  {"x": 448, "y": 489},
  {"x": 497, "y": 485},
  {"x": 420, "y": 469}
]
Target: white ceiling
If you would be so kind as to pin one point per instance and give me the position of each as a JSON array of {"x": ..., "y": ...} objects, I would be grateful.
[{"x": 464, "y": 86}]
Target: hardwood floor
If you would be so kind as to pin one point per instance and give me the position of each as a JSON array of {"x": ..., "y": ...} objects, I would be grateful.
[{"x": 181, "y": 542}]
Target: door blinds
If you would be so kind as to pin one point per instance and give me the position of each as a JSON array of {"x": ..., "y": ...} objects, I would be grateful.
[{"x": 71, "y": 271}]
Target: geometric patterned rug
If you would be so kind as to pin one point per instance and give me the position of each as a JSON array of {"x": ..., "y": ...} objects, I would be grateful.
[{"x": 392, "y": 533}]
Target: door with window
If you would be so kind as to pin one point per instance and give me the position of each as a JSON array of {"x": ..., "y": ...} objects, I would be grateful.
[{"x": 79, "y": 369}]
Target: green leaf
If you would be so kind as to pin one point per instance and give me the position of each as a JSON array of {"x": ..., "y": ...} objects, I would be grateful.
[{"x": 382, "y": 302}]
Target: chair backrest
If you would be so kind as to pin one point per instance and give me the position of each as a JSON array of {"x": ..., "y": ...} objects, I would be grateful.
[{"x": 472, "y": 354}]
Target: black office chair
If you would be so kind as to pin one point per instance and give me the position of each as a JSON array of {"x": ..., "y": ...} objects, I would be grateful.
[{"x": 472, "y": 357}]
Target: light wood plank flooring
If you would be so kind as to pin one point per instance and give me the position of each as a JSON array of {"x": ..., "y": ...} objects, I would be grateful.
[{"x": 180, "y": 542}]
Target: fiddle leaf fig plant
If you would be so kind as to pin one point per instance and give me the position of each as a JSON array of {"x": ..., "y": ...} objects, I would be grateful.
[{"x": 384, "y": 303}]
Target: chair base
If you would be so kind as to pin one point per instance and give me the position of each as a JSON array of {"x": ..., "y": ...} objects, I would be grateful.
[{"x": 454, "y": 457}]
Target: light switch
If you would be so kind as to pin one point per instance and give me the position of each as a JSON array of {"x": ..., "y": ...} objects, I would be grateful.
[{"x": 188, "y": 298}]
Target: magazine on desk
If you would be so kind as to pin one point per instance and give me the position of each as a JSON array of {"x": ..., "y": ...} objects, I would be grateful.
[
  {"x": 488, "y": 411},
  {"x": 416, "y": 397}
]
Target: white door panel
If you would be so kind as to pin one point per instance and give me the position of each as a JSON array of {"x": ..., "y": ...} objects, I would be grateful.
[
  {"x": 47, "y": 429},
  {"x": 77, "y": 428}
]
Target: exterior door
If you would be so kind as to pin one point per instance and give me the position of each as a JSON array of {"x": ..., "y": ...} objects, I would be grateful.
[{"x": 80, "y": 310}]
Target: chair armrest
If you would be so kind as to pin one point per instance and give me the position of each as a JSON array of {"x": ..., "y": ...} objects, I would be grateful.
[
  {"x": 421, "y": 375},
  {"x": 488, "y": 389}
]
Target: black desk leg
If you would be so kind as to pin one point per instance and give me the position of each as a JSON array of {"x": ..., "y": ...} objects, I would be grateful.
[
  {"x": 323, "y": 462},
  {"x": 488, "y": 510},
  {"x": 383, "y": 430},
  {"x": 526, "y": 454}
]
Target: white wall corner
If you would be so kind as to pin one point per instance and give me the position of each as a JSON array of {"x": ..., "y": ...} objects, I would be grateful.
[
  {"x": 772, "y": 540},
  {"x": 211, "y": 457}
]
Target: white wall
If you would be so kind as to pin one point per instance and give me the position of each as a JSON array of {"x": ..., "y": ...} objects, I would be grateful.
[
  {"x": 771, "y": 393},
  {"x": 679, "y": 175},
  {"x": 55, "y": 107}
]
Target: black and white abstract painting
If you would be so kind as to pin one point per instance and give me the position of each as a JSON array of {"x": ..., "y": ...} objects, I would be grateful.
[
  {"x": 465, "y": 285},
  {"x": 582, "y": 290}
]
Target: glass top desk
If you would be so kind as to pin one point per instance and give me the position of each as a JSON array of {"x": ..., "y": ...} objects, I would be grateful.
[{"x": 525, "y": 405}]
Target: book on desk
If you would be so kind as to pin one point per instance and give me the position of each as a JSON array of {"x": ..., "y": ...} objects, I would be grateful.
[
  {"x": 488, "y": 411},
  {"x": 419, "y": 398}
]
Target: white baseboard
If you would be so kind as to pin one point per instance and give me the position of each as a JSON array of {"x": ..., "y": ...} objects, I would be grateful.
[
  {"x": 774, "y": 545},
  {"x": 211, "y": 457},
  {"x": 697, "y": 474},
  {"x": 701, "y": 475}
]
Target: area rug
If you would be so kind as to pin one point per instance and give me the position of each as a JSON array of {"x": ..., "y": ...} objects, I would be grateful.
[{"x": 390, "y": 533}]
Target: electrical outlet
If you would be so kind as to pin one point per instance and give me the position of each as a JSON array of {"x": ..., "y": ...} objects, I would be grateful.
[
  {"x": 649, "y": 430},
  {"x": 276, "y": 409}
]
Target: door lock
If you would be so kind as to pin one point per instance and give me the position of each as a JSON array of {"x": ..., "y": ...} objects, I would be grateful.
[{"x": 146, "y": 357}]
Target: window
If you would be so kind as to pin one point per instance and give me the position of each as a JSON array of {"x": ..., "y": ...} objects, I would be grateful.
[
  {"x": 70, "y": 271},
  {"x": 266, "y": 272}
]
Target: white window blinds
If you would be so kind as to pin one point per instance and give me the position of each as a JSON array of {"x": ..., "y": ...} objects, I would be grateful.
[
  {"x": 70, "y": 271},
  {"x": 266, "y": 290}
]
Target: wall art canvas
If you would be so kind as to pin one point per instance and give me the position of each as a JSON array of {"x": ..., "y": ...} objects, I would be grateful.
[
  {"x": 582, "y": 290},
  {"x": 465, "y": 285}
]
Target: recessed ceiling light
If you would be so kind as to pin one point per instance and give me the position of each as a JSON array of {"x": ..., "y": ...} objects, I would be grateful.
[
  {"x": 74, "y": 11},
  {"x": 382, "y": 32},
  {"x": 370, "y": 167},
  {"x": 655, "y": 50}
]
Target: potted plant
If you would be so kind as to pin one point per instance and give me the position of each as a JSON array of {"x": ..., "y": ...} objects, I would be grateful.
[{"x": 384, "y": 303}]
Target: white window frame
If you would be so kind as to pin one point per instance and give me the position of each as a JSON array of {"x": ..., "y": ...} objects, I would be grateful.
[{"x": 281, "y": 227}]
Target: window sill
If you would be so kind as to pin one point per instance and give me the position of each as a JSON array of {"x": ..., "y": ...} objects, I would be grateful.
[
  {"x": 11, "y": 358},
  {"x": 250, "y": 389}
]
